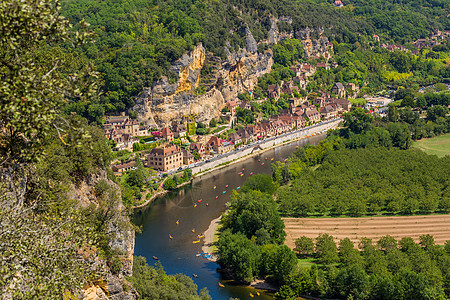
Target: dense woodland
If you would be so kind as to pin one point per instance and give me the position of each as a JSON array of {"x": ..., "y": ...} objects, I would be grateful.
[
  {"x": 251, "y": 246},
  {"x": 136, "y": 41}
]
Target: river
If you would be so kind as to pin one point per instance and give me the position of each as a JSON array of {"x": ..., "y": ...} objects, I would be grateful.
[{"x": 178, "y": 255}]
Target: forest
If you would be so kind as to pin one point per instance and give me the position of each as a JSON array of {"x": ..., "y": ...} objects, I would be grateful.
[{"x": 251, "y": 246}]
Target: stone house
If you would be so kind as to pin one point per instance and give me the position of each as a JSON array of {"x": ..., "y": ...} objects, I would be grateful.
[
  {"x": 245, "y": 136},
  {"x": 167, "y": 134},
  {"x": 179, "y": 131},
  {"x": 274, "y": 91},
  {"x": 188, "y": 158},
  {"x": 120, "y": 168},
  {"x": 245, "y": 105},
  {"x": 234, "y": 138},
  {"x": 311, "y": 114},
  {"x": 165, "y": 158},
  {"x": 344, "y": 103},
  {"x": 231, "y": 105},
  {"x": 338, "y": 89},
  {"x": 131, "y": 127},
  {"x": 328, "y": 112},
  {"x": 197, "y": 147}
]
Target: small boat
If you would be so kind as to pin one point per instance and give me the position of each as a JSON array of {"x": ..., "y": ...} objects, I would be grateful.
[
  {"x": 251, "y": 295},
  {"x": 221, "y": 285},
  {"x": 262, "y": 164},
  {"x": 170, "y": 237},
  {"x": 266, "y": 158},
  {"x": 238, "y": 187},
  {"x": 195, "y": 242},
  {"x": 198, "y": 201},
  {"x": 193, "y": 230},
  {"x": 207, "y": 204},
  {"x": 200, "y": 236},
  {"x": 224, "y": 192},
  {"x": 271, "y": 159},
  {"x": 198, "y": 254},
  {"x": 242, "y": 175},
  {"x": 217, "y": 197},
  {"x": 177, "y": 222},
  {"x": 257, "y": 293},
  {"x": 155, "y": 258},
  {"x": 195, "y": 275},
  {"x": 195, "y": 205},
  {"x": 251, "y": 173},
  {"x": 214, "y": 187},
  {"x": 226, "y": 186},
  {"x": 243, "y": 169}
]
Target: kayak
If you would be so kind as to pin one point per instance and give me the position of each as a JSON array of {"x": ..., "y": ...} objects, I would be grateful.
[
  {"x": 195, "y": 205},
  {"x": 198, "y": 201},
  {"x": 224, "y": 192},
  {"x": 195, "y": 242},
  {"x": 226, "y": 186},
  {"x": 217, "y": 197},
  {"x": 251, "y": 173},
  {"x": 221, "y": 285},
  {"x": 170, "y": 237},
  {"x": 238, "y": 187},
  {"x": 155, "y": 258},
  {"x": 262, "y": 164},
  {"x": 214, "y": 187},
  {"x": 177, "y": 222}
]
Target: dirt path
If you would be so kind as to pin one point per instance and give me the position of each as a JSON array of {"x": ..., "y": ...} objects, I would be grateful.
[{"x": 374, "y": 227}]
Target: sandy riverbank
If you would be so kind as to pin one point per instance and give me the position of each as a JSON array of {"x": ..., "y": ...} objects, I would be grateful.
[{"x": 210, "y": 234}]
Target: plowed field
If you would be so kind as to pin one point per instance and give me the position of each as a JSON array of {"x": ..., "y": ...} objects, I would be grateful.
[{"x": 374, "y": 227}]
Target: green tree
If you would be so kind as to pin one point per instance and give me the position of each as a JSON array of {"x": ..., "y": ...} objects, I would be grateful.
[
  {"x": 358, "y": 121},
  {"x": 304, "y": 246},
  {"x": 326, "y": 249}
]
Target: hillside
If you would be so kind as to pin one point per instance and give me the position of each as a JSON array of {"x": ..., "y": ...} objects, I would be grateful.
[{"x": 137, "y": 41}]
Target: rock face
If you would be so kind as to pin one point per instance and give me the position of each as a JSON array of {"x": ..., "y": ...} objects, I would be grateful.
[
  {"x": 122, "y": 234},
  {"x": 315, "y": 47},
  {"x": 202, "y": 97}
]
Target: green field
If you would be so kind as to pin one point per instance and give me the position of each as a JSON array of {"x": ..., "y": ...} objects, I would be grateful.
[
  {"x": 358, "y": 101},
  {"x": 439, "y": 145}
]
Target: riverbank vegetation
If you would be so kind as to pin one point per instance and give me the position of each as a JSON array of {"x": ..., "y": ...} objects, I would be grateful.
[{"x": 152, "y": 283}]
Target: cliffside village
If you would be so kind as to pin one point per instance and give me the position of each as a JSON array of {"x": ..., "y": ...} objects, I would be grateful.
[{"x": 169, "y": 156}]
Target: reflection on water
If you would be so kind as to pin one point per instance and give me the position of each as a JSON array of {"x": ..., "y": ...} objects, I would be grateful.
[{"x": 178, "y": 255}]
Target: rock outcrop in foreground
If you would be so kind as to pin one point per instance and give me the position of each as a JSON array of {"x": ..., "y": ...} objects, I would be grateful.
[{"x": 113, "y": 285}]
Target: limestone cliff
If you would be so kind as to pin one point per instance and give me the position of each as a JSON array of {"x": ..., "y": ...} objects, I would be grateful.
[
  {"x": 114, "y": 285},
  {"x": 202, "y": 95}
]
